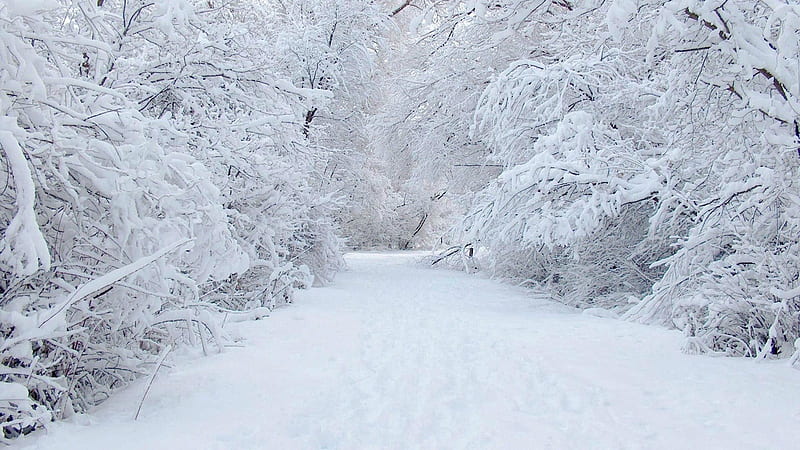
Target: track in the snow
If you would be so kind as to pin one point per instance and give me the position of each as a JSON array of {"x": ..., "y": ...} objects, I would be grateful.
[{"x": 398, "y": 356}]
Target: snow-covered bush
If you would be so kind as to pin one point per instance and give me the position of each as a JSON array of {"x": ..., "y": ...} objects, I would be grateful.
[
  {"x": 244, "y": 122},
  {"x": 570, "y": 212},
  {"x": 155, "y": 173},
  {"x": 732, "y": 283},
  {"x": 650, "y": 152}
]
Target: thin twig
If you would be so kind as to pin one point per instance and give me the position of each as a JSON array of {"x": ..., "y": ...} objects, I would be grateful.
[{"x": 159, "y": 363}]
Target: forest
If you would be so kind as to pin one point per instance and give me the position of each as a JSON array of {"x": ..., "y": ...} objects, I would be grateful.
[{"x": 171, "y": 166}]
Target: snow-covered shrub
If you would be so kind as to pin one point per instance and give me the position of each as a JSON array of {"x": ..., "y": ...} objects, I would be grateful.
[
  {"x": 155, "y": 173},
  {"x": 650, "y": 157},
  {"x": 732, "y": 283},
  {"x": 233, "y": 113},
  {"x": 573, "y": 217},
  {"x": 570, "y": 211}
]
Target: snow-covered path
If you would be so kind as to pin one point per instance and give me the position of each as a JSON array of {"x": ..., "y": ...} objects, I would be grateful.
[{"x": 397, "y": 356}]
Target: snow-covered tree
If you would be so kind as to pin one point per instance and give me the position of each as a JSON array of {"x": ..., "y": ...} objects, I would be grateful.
[{"x": 335, "y": 46}]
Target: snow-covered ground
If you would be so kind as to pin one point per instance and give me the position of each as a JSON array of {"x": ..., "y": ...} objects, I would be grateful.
[{"x": 397, "y": 356}]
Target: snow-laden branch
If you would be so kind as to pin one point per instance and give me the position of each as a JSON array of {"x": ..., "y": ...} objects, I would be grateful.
[
  {"x": 23, "y": 246},
  {"x": 109, "y": 279}
]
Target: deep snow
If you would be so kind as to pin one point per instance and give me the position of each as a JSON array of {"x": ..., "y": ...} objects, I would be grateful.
[{"x": 396, "y": 356}]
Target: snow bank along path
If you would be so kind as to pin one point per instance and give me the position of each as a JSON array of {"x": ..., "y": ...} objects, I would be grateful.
[{"x": 397, "y": 356}]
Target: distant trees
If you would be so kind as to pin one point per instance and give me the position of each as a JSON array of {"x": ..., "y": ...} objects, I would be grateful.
[
  {"x": 439, "y": 66},
  {"x": 338, "y": 46}
]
